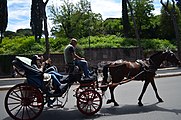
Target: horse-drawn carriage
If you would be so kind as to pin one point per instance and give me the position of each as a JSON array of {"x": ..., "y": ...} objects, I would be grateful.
[{"x": 26, "y": 101}]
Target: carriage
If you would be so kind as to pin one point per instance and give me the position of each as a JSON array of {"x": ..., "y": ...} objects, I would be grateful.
[{"x": 26, "y": 100}]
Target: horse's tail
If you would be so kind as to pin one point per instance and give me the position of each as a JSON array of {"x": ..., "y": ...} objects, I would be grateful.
[
  {"x": 105, "y": 73},
  {"x": 105, "y": 76}
]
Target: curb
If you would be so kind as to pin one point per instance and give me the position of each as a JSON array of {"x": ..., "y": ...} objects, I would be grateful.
[
  {"x": 7, "y": 87},
  {"x": 168, "y": 75}
]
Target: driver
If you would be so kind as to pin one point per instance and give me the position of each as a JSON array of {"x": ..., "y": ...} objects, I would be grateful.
[{"x": 71, "y": 57}]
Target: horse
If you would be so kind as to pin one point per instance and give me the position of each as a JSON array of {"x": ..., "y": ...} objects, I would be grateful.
[{"x": 138, "y": 70}]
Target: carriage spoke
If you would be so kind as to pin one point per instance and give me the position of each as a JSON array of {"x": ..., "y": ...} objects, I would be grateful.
[
  {"x": 14, "y": 108},
  {"x": 14, "y": 98},
  {"x": 21, "y": 91},
  {"x": 14, "y": 103},
  {"x": 92, "y": 95},
  {"x": 95, "y": 104},
  {"x": 86, "y": 108},
  {"x": 96, "y": 101},
  {"x": 22, "y": 114},
  {"x": 32, "y": 110},
  {"x": 18, "y": 111},
  {"x": 16, "y": 95},
  {"x": 28, "y": 113},
  {"x": 84, "y": 105}
]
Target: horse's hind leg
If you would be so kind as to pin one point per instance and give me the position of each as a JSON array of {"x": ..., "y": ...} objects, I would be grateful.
[
  {"x": 112, "y": 97},
  {"x": 156, "y": 92},
  {"x": 142, "y": 93}
]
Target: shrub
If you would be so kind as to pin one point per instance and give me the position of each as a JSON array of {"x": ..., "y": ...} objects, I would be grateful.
[{"x": 27, "y": 45}]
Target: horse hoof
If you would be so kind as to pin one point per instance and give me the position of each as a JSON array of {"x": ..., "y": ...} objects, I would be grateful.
[
  {"x": 160, "y": 100},
  {"x": 140, "y": 104},
  {"x": 108, "y": 101},
  {"x": 116, "y": 104}
]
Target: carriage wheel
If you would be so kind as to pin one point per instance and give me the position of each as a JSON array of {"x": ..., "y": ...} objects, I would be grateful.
[
  {"x": 89, "y": 102},
  {"x": 24, "y": 102},
  {"x": 78, "y": 91},
  {"x": 82, "y": 88}
]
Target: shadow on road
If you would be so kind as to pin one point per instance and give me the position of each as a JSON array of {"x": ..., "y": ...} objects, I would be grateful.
[
  {"x": 74, "y": 114},
  {"x": 135, "y": 109},
  {"x": 63, "y": 114}
]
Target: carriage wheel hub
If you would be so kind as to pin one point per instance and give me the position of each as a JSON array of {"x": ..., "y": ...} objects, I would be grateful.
[
  {"x": 25, "y": 102},
  {"x": 90, "y": 102}
]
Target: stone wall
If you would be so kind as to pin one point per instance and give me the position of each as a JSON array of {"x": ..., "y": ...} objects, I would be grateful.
[
  {"x": 110, "y": 54},
  {"x": 93, "y": 56}
]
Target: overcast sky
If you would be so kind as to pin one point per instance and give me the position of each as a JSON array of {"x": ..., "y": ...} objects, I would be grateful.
[{"x": 19, "y": 11}]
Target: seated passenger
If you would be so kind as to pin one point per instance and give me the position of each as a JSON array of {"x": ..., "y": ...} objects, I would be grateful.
[{"x": 36, "y": 63}]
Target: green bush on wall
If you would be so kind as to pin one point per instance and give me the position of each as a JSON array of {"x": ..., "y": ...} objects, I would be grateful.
[{"x": 27, "y": 45}]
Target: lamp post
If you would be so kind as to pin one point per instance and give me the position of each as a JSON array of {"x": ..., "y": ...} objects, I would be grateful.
[{"x": 89, "y": 10}]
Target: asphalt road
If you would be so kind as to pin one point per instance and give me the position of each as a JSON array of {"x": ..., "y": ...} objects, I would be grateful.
[{"x": 126, "y": 95}]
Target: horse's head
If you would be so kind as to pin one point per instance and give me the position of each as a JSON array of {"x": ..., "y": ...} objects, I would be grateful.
[{"x": 171, "y": 57}]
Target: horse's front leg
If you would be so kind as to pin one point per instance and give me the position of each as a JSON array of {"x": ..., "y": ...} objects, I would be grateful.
[
  {"x": 112, "y": 96},
  {"x": 156, "y": 92},
  {"x": 142, "y": 93}
]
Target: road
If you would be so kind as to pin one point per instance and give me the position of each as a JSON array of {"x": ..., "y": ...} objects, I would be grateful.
[{"x": 126, "y": 95}]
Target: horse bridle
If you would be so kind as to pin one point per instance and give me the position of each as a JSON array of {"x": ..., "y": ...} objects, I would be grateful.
[{"x": 154, "y": 64}]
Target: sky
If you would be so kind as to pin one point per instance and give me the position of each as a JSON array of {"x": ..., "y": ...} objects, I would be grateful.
[{"x": 19, "y": 11}]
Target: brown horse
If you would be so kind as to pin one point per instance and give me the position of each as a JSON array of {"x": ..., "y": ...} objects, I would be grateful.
[{"x": 138, "y": 70}]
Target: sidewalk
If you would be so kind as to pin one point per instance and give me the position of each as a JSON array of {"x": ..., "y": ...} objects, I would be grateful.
[
  {"x": 168, "y": 72},
  {"x": 7, "y": 83}
]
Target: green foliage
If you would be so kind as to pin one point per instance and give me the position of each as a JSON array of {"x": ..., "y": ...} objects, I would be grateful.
[
  {"x": 57, "y": 45},
  {"x": 117, "y": 42},
  {"x": 21, "y": 45},
  {"x": 27, "y": 45}
]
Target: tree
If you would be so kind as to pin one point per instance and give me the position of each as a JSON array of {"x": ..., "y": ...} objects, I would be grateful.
[
  {"x": 112, "y": 26},
  {"x": 142, "y": 10},
  {"x": 136, "y": 29},
  {"x": 178, "y": 2},
  {"x": 24, "y": 32},
  {"x": 10, "y": 34},
  {"x": 171, "y": 11},
  {"x": 3, "y": 17},
  {"x": 166, "y": 22},
  {"x": 125, "y": 19},
  {"x": 75, "y": 20},
  {"x": 38, "y": 17}
]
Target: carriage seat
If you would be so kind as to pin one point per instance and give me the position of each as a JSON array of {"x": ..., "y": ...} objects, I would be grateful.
[{"x": 34, "y": 76}]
